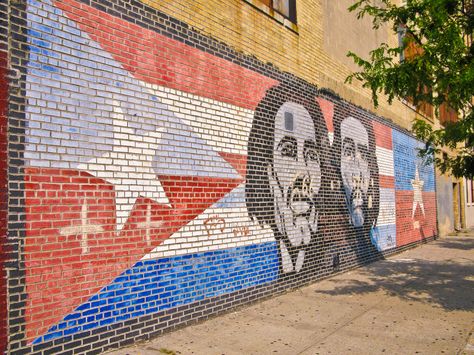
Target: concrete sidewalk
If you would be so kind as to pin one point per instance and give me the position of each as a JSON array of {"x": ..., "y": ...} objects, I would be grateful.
[{"x": 418, "y": 302}]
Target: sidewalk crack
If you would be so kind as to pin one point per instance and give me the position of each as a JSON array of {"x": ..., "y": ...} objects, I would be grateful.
[{"x": 341, "y": 326}]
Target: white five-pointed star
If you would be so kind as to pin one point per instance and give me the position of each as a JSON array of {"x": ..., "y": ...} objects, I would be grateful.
[
  {"x": 417, "y": 193},
  {"x": 128, "y": 166}
]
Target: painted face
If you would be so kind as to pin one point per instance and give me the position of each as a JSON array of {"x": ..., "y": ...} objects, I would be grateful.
[
  {"x": 295, "y": 179},
  {"x": 355, "y": 168}
]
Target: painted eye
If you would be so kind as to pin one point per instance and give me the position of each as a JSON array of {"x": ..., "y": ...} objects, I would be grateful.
[
  {"x": 363, "y": 152},
  {"x": 348, "y": 150},
  {"x": 288, "y": 149},
  {"x": 311, "y": 155}
]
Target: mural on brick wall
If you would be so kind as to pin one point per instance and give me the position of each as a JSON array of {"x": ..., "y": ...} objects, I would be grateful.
[
  {"x": 159, "y": 175},
  {"x": 354, "y": 196},
  {"x": 285, "y": 168}
]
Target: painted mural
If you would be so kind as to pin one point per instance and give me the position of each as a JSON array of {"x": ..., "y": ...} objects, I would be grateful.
[
  {"x": 285, "y": 169},
  {"x": 159, "y": 175}
]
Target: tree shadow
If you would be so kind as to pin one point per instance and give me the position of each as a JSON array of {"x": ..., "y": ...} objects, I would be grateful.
[
  {"x": 448, "y": 284},
  {"x": 457, "y": 243}
]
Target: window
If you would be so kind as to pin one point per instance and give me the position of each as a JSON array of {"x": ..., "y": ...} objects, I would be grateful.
[
  {"x": 401, "y": 31},
  {"x": 412, "y": 50},
  {"x": 469, "y": 184},
  {"x": 285, "y": 9},
  {"x": 469, "y": 9},
  {"x": 447, "y": 114}
]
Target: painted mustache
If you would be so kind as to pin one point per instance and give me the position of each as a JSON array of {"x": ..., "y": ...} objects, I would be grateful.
[
  {"x": 357, "y": 193},
  {"x": 300, "y": 196},
  {"x": 357, "y": 198}
]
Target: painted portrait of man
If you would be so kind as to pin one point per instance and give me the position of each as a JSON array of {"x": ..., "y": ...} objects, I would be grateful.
[
  {"x": 285, "y": 168},
  {"x": 356, "y": 173}
]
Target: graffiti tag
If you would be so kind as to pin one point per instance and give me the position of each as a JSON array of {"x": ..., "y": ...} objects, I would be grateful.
[
  {"x": 242, "y": 231},
  {"x": 214, "y": 223}
]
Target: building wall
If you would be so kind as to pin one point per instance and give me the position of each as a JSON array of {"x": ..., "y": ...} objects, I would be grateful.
[
  {"x": 470, "y": 216},
  {"x": 469, "y": 203},
  {"x": 3, "y": 198},
  {"x": 3, "y": 180},
  {"x": 343, "y": 32},
  {"x": 444, "y": 192},
  {"x": 316, "y": 52},
  {"x": 169, "y": 175}
]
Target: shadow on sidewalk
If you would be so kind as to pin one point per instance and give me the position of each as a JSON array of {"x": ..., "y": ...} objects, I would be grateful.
[
  {"x": 448, "y": 284},
  {"x": 456, "y": 243}
]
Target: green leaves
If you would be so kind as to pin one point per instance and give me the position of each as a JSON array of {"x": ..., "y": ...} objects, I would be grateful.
[{"x": 438, "y": 68}]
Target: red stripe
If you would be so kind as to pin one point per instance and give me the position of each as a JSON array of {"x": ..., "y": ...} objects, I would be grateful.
[
  {"x": 59, "y": 276},
  {"x": 3, "y": 198},
  {"x": 327, "y": 107},
  {"x": 157, "y": 59},
  {"x": 383, "y": 135},
  {"x": 418, "y": 226},
  {"x": 386, "y": 181},
  {"x": 193, "y": 194},
  {"x": 238, "y": 162}
]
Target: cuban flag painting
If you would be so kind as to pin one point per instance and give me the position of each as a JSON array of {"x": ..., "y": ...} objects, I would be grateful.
[{"x": 134, "y": 176}]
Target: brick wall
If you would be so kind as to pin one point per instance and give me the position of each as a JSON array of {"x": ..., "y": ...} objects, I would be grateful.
[
  {"x": 3, "y": 198},
  {"x": 316, "y": 51},
  {"x": 167, "y": 177},
  {"x": 3, "y": 179}
]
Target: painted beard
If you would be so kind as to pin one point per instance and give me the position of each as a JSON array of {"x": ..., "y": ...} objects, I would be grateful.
[
  {"x": 356, "y": 207},
  {"x": 355, "y": 198},
  {"x": 296, "y": 221}
]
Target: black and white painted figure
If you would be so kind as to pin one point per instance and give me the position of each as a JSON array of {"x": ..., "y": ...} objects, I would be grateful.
[
  {"x": 284, "y": 171},
  {"x": 355, "y": 171},
  {"x": 355, "y": 162}
]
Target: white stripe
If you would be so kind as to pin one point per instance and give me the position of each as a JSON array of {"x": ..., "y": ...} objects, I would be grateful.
[
  {"x": 223, "y": 126},
  {"x": 331, "y": 137},
  {"x": 384, "y": 161},
  {"x": 387, "y": 212},
  {"x": 227, "y": 227}
]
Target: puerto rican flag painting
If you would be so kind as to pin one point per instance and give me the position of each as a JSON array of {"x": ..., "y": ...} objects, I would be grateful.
[{"x": 132, "y": 171}]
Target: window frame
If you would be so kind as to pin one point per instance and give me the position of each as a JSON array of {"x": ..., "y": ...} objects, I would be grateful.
[
  {"x": 291, "y": 9},
  {"x": 266, "y": 6},
  {"x": 469, "y": 192}
]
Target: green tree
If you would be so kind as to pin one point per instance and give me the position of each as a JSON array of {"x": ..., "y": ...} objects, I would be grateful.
[{"x": 442, "y": 71}]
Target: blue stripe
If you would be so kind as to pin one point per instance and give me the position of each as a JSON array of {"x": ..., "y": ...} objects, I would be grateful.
[
  {"x": 151, "y": 286},
  {"x": 406, "y": 160},
  {"x": 384, "y": 237}
]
